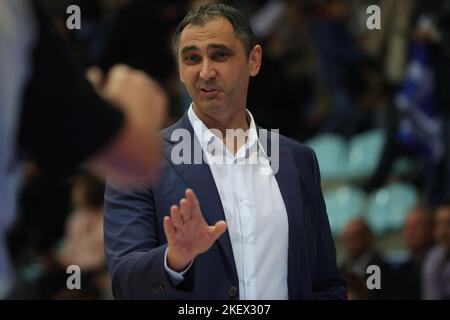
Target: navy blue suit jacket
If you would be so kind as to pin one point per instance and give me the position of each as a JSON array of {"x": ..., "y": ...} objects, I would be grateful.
[{"x": 135, "y": 242}]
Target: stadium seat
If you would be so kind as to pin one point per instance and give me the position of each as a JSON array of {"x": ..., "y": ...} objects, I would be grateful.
[
  {"x": 331, "y": 152},
  {"x": 364, "y": 153},
  {"x": 344, "y": 203},
  {"x": 389, "y": 205}
]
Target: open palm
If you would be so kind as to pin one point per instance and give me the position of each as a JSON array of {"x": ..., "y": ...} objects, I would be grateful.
[{"x": 187, "y": 232}]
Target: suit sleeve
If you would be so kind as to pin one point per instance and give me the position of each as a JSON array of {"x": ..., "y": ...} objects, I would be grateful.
[
  {"x": 327, "y": 282},
  {"x": 134, "y": 250}
]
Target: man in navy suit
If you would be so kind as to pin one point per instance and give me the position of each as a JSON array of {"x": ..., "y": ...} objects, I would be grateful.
[{"x": 244, "y": 228}]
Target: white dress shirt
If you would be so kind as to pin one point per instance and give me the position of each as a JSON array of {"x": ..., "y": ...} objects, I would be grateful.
[{"x": 254, "y": 211}]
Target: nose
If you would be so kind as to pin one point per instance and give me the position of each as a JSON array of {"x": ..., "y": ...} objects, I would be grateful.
[{"x": 207, "y": 71}]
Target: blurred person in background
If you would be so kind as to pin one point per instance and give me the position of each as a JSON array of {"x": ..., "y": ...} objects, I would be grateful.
[
  {"x": 83, "y": 241},
  {"x": 52, "y": 116},
  {"x": 290, "y": 63},
  {"x": 418, "y": 236},
  {"x": 356, "y": 286},
  {"x": 434, "y": 19},
  {"x": 340, "y": 60},
  {"x": 81, "y": 245},
  {"x": 419, "y": 118},
  {"x": 359, "y": 245},
  {"x": 436, "y": 270},
  {"x": 387, "y": 46},
  {"x": 44, "y": 204}
]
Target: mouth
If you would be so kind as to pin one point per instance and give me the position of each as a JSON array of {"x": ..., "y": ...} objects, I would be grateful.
[{"x": 209, "y": 93}]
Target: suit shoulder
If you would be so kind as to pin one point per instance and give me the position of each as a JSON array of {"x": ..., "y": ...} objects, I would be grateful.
[
  {"x": 167, "y": 134},
  {"x": 167, "y": 131},
  {"x": 298, "y": 148},
  {"x": 304, "y": 158}
]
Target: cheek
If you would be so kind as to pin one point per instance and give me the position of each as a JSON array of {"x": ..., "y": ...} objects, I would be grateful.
[
  {"x": 234, "y": 79},
  {"x": 187, "y": 76}
]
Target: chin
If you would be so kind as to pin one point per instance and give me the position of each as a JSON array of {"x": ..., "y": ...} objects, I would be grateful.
[{"x": 213, "y": 106}]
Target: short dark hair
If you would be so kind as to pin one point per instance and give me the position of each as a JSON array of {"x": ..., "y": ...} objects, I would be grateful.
[{"x": 211, "y": 11}]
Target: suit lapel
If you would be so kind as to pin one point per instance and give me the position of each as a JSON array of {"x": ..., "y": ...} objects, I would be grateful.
[
  {"x": 289, "y": 183},
  {"x": 199, "y": 178}
]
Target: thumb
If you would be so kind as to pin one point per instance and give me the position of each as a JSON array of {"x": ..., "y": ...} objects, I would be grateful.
[
  {"x": 217, "y": 230},
  {"x": 95, "y": 76}
]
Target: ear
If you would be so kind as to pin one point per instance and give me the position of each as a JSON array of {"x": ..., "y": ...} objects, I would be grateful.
[
  {"x": 180, "y": 74},
  {"x": 255, "y": 60}
]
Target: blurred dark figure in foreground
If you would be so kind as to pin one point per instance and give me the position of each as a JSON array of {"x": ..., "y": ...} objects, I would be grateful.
[
  {"x": 359, "y": 244},
  {"x": 418, "y": 235},
  {"x": 51, "y": 115},
  {"x": 436, "y": 271}
]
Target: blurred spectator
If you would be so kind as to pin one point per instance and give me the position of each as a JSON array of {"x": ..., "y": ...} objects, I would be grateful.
[
  {"x": 44, "y": 206},
  {"x": 418, "y": 235},
  {"x": 434, "y": 16},
  {"x": 356, "y": 286},
  {"x": 290, "y": 66},
  {"x": 83, "y": 241},
  {"x": 417, "y": 128},
  {"x": 388, "y": 45},
  {"x": 418, "y": 232},
  {"x": 81, "y": 245},
  {"x": 340, "y": 56},
  {"x": 436, "y": 272},
  {"x": 359, "y": 244}
]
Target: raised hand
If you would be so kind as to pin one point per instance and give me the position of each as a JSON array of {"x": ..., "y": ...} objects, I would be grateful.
[
  {"x": 133, "y": 157},
  {"x": 187, "y": 232}
]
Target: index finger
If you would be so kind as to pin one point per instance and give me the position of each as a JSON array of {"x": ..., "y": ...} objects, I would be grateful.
[{"x": 195, "y": 205}]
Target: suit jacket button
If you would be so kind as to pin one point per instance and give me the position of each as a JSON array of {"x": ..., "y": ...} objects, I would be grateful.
[
  {"x": 232, "y": 291},
  {"x": 158, "y": 288}
]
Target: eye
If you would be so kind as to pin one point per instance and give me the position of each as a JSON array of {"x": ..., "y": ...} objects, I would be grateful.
[
  {"x": 191, "y": 59},
  {"x": 220, "y": 55}
]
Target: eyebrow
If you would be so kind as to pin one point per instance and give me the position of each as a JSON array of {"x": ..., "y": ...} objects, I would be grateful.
[
  {"x": 210, "y": 46},
  {"x": 219, "y": 46},
  {"x": 189, "y": 48}
]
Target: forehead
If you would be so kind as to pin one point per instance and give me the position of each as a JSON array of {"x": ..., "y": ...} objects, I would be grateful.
[{"x": 218, "y": 31}]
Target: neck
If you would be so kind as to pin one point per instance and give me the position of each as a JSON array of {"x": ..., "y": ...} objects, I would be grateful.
[{"x": 224, "y": 121}]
